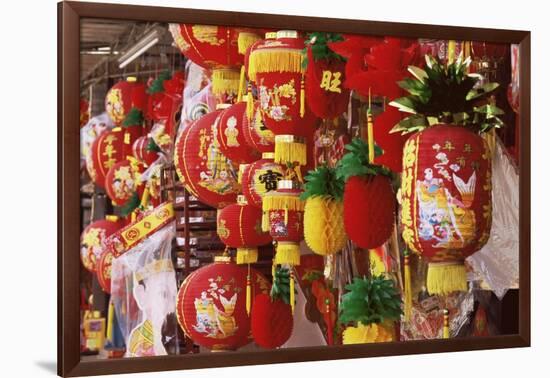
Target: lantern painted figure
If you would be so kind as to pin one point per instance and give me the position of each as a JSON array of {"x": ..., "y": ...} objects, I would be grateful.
[
  {"x": 446, "y": 183},
  {"x": 211, "y": 306},
  {"x": 231, "y": 136},
  {"x": 92, "y": 238},
  {"x": 260, "y": 178},
  {"x": 123, "y": 98},
  {"x": 256, "y": 134},
  {"x": 200, "y": 165}
]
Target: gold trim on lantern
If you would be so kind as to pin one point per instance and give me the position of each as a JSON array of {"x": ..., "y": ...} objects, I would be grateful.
[
  {"x": 111, "y": 218},
  {"x": 287, "y": 34},
  {"x": 274, "y": 60},
  {"x": 247, "y": 255},
  {"x": 268, "y": 155},
  {"x": 288, "y": 184},
  {"x": 270, "y": 35},
  {"x": 446, "y": 277},
  {"x": 225, "y": 80},
  {"x": 131, "y": 79},
  {"x": 245, "y": 40},
  {"x": 226, "y": 259},
  {"x": 282, "y": 201},
  {"x": 287, "y": 253},
  {"x": 290, "y": 149}
]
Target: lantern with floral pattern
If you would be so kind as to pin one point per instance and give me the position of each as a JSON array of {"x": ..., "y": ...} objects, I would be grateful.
[{"x": 92, "y": 238}]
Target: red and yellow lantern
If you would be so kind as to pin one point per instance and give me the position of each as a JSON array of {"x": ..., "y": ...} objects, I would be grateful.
[
  {"x": 446, "y": 201},
  {"x": 123, "y": 183},
  {"x": 142, "y": 151},
  {"x": 240, "y": 226},
  {"x": 256, "y": 134},
  {"x": 103, "y": 270},
  {"x": 260, "y": 178},
  {"x": 92, "y": 238},
  {"x": 125, "y": 96},
  {"x": 108, "y": 149},
  {"x": 200, "y": 165},
  {"x": 211, "y": 305},
  {"x": 231, "y": 137}
]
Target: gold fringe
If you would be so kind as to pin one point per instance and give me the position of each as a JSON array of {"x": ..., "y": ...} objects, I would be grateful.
[
  {"x": 265, "y": 220},
  {"x": 225, "y": 80},
  {"x": 242, "y": 85},
  {"x": 302, "y": 98},
  {"x": 110, "y": 320},
  {"x": 292, "y": 294},
  {"x": 245, "y": 40},
  {"x": 407, "y": 287},
  {"x": 247, "y": 255},
  {"x": 274, "y": 60},
  {"x": 290, "y": 152},
  {"x": 248, "y": 292},
  {"x": 287, "y": 253},
  {"x": 445, "y": 278},
  {"x": 446, "y": 329},
  {"x": 282, "y": 202},
  {"x": 249, "y": 103},
  {"x": 370, "y": 136}
]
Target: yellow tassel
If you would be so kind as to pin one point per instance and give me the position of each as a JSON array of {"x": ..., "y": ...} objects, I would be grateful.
[
  {"x": 370, "y": 136},
  {"x": 248, "y": 292},
  {"x": 451, "y": 51},
  {"x": 133, "y": 217},
  {"x": 273, "y": 268},
  {"x": 292, "y": 299},
  {"x": 242, "y": 85},
  {"x": 445, "y": 278},
  {"x": 408, "y": 288},
  {"x": 324, "y": 229},
  {"x": 290, "y": 150},
  {"x": 274, "y": 60},
  {"x": 446, "y": 330},
  {"x": 281, "y": 202},
  {"x": 299, "y": 174},
  {"x": 245, "y": 40},
  {"x": 247, "y": 255},
  {"x": 249, "y": 103},
  {"x": 302, "y": 98},
  {"x": 225, "y": 80},
  {"x": 286, "y": 215},
  {"x": 265, "y": 221},
  {"x": 145, "y": 198},
  {"x": 287, "y": 253},
  {"x": 110, "y": 320}
]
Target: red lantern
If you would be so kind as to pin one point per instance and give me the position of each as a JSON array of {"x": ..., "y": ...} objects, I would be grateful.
[
  {"x": 211, "y": 305},
  {"x": 271, "y": 321},
  {"x": 256, "y": 134},
  {"x": 213, "y": 47},
  {"x": 260, "y": 178},
  {"x": 108, "y": 149},
  {"x": 446, "y": 201},
  {"x": 123, "y": 97},
  {"x": 200, "y": 165},
  {"x": 103, "y": 270},
  {"x": 122, "y": 182},
  {"x": 240, "y": 226},
  {"x": 326, "y": 96},
  {"x": 92, "y": 238},
  {"x": 143, "y": 153},
  {"x": 369, "y": 204},
  {"x": 230, "y": 135}
]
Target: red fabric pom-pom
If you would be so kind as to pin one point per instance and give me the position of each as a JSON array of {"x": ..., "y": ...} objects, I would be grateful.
[
  {"x": 271, "y": 321},
  {"x": 369, "y": 208}
]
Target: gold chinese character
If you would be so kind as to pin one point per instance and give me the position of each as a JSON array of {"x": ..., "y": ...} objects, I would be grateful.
[{"x": 331, "y": 81}]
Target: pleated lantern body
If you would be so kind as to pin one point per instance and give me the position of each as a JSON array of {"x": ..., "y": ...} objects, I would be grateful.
[
  {"x": 108, "y": 149},
  {"x": 260, "y": 178},
  {"x": 123, "y": 181},
  {"x": 211, "y": 307},
  {"x": 446, "y": 209},
  {"x": 271, "y": 322},
  {"x": 213, "y": 47},
  {"x": 123, "y": 97},
  {"x": 103, "y": 270},
  {"x": 284, "y": 218},
  {"x": 324, "y": 230},
  {"x": 240, "y": 226},
  {"x": 202, "y": 168},
  {"x": 142, "y": 154},
  {"x": 326, "y": 96},
  {"x": 256, "y": 134},
  {"x": 92, "y": 238},
  {"x": 369, "y": 210},
  {"x": 231, "y": 135}
]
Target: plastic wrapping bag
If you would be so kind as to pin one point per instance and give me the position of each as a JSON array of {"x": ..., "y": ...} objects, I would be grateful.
[
  {"x": 497, "y": 263},
  {"x": 144, "y": 293}
]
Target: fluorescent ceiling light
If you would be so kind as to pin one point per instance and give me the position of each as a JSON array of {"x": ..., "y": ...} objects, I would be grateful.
[{"x": 139, "y": 48}]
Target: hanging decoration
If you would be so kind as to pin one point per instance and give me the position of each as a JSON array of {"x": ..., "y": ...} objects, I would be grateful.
[
  {"x": 446, "y": 183},
  {"x": 216, "y": 48},
  {"x": 123, "y": 185},
  {"x": 126, "y": 99},
  {"x": 203, "y": 169},
  {"x": 93, "y": 237},
  {"x": 145, "y": 150},
  {"x": 211, "y": 306},
  {"x": 231, "y": 137},
  {"x": 256, "y": 134},
  {"x": 324, "y": 76},
  {"x": 369, "y": 200},
  {"x": 103, "y": 270},
  {"x": 324, "y": 211},
  {"x": 261, "y": 178},
  {"x": 271, "y": 319},
  {"x": 371, "y": 305}
]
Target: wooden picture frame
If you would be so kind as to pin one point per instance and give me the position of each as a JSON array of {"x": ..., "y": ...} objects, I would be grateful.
[{"x": 69, "y": 15}]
